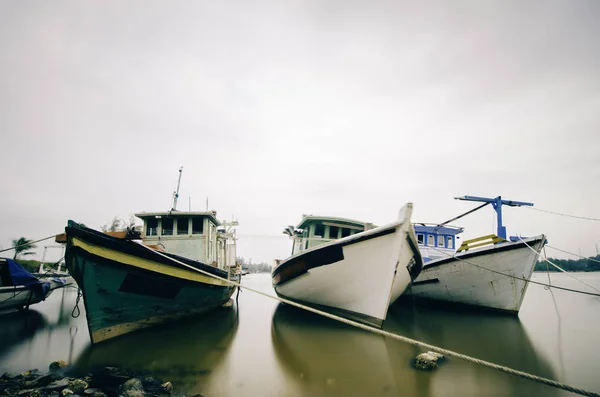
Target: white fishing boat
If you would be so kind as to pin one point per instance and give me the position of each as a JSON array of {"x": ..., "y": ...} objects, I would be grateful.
[
  {"x": 490, "y": 271},
  {"x": 20, "y": 289},
  {"x": 348, "y": 267}
]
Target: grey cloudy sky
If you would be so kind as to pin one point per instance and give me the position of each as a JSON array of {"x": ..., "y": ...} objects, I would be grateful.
[{"x": 279, "y": 108}]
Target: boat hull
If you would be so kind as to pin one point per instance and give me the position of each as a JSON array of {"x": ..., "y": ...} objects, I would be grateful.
[
  {"x": 464, "y": 278},
  {"x": 357, "y": 277},
  {"x": 20, "y": 296},
  {"x": 127, "y": 287}
]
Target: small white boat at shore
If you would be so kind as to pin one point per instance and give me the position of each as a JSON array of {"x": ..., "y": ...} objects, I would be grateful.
[
  {"x": 348, "y": 267},
  {"x": 20, "y": 289},
  {"x": 490, "y": 271}
]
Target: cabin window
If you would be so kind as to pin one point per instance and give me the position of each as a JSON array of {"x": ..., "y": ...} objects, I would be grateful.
[
  {"x": 151, "y": 226},
  {"x": 319, "y": 230},
  {"x": 333, "y": 232},
  {"x": 449, "y": 242},
  {"x": 167, "y": 227},
  {"x": 197, "y": 225},
  {"x": 420, "y": 238},
  {"x": 345, "y": 232},
  {"x": 440, "y": 241},
  {"x": 182, "y": 225},
  {"x": 430, "y": 240}
]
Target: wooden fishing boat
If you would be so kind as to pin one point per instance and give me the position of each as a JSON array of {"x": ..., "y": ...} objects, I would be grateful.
[
  {"x": 127, "y": 285},
  {"x": 492, "y": 271},
  {"x": 20, "y": 289},
  {"x": 348, "y": 267}
]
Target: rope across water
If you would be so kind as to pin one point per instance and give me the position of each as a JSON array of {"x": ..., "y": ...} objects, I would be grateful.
[{"x": 391, "y": 335}]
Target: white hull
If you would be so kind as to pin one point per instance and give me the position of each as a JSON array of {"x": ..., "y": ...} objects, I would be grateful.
[
  {"x": 369, "y": 275},
  {"x": 461, "y": 281},
  {"x": 20, "y": 297}
]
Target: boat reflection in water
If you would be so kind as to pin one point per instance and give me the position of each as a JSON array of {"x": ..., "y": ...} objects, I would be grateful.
[
  {"x": 19, "y": 327},
  {"x": 184, "y": 353},
  {"x": 330, "y": 358}
]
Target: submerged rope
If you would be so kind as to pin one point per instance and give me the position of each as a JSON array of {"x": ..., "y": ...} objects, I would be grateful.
[{"x": 401, "y": 338}]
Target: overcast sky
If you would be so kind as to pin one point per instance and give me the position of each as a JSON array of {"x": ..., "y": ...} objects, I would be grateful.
[{"x": 282, "y": 108}]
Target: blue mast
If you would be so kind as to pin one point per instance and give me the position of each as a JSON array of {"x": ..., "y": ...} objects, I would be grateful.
[{"x": 497, "y": 204}]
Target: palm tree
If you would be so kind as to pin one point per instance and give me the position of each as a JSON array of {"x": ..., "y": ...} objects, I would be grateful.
[{"x": 23, "y": 246}]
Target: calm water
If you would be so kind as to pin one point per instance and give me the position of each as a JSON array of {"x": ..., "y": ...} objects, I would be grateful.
[{"x": 262, "y": 348}]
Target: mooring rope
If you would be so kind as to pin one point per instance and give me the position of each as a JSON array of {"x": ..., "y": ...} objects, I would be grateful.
[
  {"x": 391, "y": 335},
  {"x": 571, "y": 253},
  {"x": 560, "y": 268},
  {"x": 567, "y": 215},
  {"x": 513, "y": 276},
  {"x": 28, "y": 243}
]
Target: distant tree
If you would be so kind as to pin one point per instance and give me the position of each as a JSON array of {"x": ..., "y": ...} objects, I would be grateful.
[
  {"x": 113, "y": 226},
  {"x": 23, "y": 247}
]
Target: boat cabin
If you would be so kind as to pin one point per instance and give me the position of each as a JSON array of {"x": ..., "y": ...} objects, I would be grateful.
[
  {"x": 316, "y": 230},
  {"x": 436, "y": 241},
  {"x": 195, "y": 235}
]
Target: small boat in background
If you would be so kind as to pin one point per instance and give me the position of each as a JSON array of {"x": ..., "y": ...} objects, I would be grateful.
[
  {"x": 20, "y": 289},
  {"x": 348, "y": 267},
  {"x": 171, "y": 274},
  {"x": 490, "y": 271}
]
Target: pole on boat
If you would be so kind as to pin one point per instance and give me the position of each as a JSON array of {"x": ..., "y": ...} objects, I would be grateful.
[
  {"x": 497, "y": 203},
  {"x": 176, "y": 193}
]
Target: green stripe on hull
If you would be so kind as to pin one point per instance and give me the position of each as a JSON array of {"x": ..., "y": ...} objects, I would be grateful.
[{"x": 120, "y": 299}]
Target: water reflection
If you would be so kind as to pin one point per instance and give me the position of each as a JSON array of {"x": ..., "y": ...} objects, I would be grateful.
[
  {"x": 328, "y": 358},
  {"x": 19, "y": 327},
  {"x": 497, "y": 338},
  {"x": 184, "y": 352}
]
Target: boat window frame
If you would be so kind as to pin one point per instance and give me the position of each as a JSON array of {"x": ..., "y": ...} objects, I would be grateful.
[
  {"x": 430, "y": 240},
  {"x": 337, "y": 230},
  {"x": 179, "y": 219},
  {"x": 162, "y": 228},
  {"x": 421, "y": 238},
  {"x": 148, "y": 228},
  {"x": 449, "y": 242},
  {"x": 317, "y": 226},
  {"x": 200, "y": 219},
  {"x": 440, "y": 239}
]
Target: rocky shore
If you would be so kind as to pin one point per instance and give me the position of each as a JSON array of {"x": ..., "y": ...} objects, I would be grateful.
[{"x": 106, "y": 382}]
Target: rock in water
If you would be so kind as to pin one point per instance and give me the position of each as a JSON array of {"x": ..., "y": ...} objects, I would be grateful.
[
  {"x": 167, "y": 387},
  {"x": 428, "y": 361},
  {"x": 57, "y": 365},
  {"x": 77, "y": 386}
]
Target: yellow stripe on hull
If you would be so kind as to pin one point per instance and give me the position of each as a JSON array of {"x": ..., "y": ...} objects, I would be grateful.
[
  {"x": 125, "y": 328},
  {"x": 136, "y": 261}
]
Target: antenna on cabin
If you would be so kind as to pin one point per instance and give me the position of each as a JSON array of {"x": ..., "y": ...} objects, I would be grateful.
[
  {"x": 207, "y": 204},
  {"x": 176, "y": 193},
  {"x": 190, "y": 204}
]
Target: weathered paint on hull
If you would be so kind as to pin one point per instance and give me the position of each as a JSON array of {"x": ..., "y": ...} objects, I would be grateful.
[
  {"x": 457, "y": 281},
  {"x": 133, "y": 293}
]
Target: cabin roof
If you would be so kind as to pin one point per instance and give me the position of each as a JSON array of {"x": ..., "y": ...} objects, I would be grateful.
[
  {"x": 308, "y": 219},
  {"x": 212, "y": 215},
  {"x": 425, "y": 228}
]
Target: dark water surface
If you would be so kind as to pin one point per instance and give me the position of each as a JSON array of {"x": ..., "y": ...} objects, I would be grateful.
[{"x": 262, "y": 348}]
